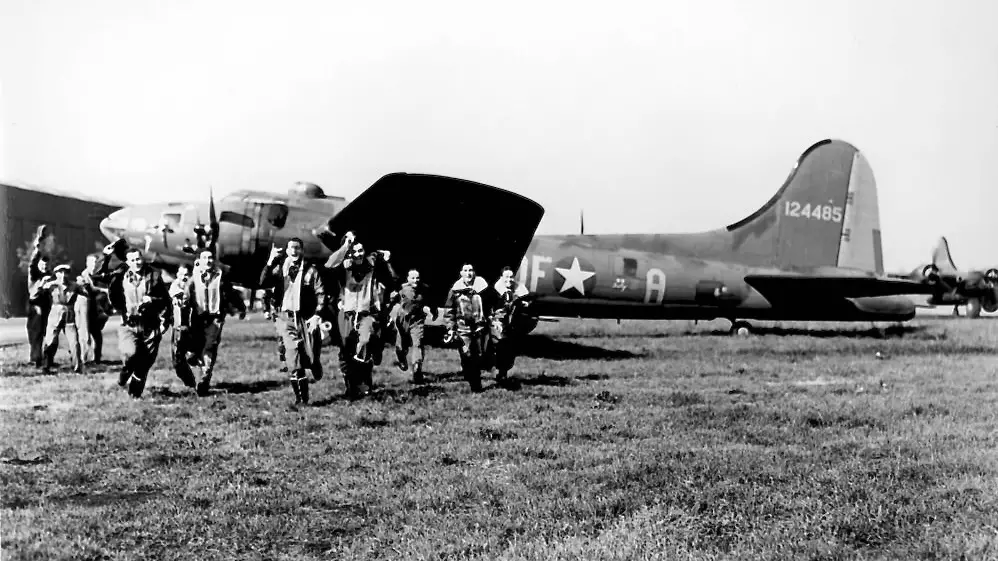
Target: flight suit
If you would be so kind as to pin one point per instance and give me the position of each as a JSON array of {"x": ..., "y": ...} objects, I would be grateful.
[
  {"x": 210, "y": 297},
  {"x": 39, "y": 303},
  {"x": 504, "y": 333},
  {"x": 272, "y": 307},
  {"x": 467, "y": 316},
  {"x": 97, "y": 316},
  {"x": 142, "y": 322},
  {"x": 180, "y": 342},
  {"x": 409, "y": 317},
  {"x": 68, "y": 314},
  {"x": 299, "y": 288},
  {"x": 361, "y": 314}
]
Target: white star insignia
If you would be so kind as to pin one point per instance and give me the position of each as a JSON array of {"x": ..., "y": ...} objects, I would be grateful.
[{"x": 574, "y": 277}]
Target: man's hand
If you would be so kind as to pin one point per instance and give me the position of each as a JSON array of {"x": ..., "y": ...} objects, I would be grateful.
[
  {"x": 386, "y": 255},
  {"x": 349, "y": 237},
  {"x": 275, "y": 252},
  {"x": 313, "y": 322}
]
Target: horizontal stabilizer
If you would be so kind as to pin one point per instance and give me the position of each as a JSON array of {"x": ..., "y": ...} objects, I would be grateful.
[
  {"x": 437, "y": 223},
  {"x": 783, "y": 287}
]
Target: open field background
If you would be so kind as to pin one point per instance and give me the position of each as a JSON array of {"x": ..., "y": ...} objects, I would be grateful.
[{"x": 640, "y": 441}]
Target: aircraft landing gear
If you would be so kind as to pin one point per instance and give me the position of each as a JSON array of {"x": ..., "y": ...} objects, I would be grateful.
[
  {"x": 974, "y": 308},
  {"x": 740, "y": 327}
]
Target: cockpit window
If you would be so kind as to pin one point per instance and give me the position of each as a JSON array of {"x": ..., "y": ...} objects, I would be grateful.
[{"x": 277, "y": 214}]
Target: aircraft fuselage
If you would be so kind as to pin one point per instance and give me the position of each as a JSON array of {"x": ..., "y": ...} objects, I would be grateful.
[{"x": 580, "y": 276}]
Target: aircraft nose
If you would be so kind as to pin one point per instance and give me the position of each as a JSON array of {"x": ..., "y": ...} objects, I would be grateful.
[{"x": 113, "y": 227}]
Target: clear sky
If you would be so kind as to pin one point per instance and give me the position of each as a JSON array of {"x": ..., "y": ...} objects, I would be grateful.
[{"x": 651, "y": 116}]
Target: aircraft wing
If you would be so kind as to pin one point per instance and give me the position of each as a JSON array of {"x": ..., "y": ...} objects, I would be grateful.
[
  {"x": 437, "y": 223},
  {"x": 782, "y": 287}
]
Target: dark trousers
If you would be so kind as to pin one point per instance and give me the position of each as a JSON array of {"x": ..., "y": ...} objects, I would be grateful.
[
  {"x": 474, "y": 353},
  {"x": 409, "y": 342},
  {"x": 505, "y": 353},
  {"x": 207, "y": 335},
  {"x": 359, "y": 350},
  {"x": 96, "y": 326},
  {"x": 180, "y": 344},
  {"x": 37, "y": 321},
  {"x": 138, "y": 344}
]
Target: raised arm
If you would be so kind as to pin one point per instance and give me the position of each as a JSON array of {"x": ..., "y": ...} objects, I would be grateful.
[
  {"x": 272, "y": 271},
  {"x": 336, "y": 259}
]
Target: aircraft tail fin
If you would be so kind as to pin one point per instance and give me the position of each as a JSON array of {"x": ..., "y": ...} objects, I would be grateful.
[
  {"x": 942, "y": 258},
  {"x": 825, "y": 215}
]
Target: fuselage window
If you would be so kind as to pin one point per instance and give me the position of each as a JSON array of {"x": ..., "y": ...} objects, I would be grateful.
[
  {"x": 630, "y": 267},
  {"x": 237, "y": 219},
  {"x": 276, "y": 214},
  {"x": 170, "y": 221}
]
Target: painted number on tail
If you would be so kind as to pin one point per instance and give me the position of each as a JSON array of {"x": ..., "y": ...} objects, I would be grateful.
[{"x": 827, "y": 213}]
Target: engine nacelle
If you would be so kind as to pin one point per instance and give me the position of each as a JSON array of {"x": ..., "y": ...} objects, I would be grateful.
[
  {"x": 931, "y": 274},
  {"x": 306, "y": 190}
]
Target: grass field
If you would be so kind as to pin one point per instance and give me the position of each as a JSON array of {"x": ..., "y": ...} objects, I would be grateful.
[{"x": 646, "y": 440}]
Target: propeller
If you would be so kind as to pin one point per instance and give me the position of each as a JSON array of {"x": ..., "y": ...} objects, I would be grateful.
[
  {"x": 213, "y": 219},
  {"x": 207, "y": 235},
  {"x": 582, "y": 224}
]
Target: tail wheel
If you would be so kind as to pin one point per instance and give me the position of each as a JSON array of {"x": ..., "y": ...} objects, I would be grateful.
[{"x": 741, "y": 328}]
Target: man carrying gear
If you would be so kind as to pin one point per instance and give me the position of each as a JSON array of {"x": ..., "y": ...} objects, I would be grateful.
[
  {"x": 467, "y": 316},
  {"x": 364, "y": 279},
  {"x": 504, "y": 329},
  {"x": 299, "y": 288},
  {"x": 210, "y": 298},
  {"x": 138, "y": 293}
]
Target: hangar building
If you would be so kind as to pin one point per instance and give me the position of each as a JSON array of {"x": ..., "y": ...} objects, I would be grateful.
[{"x": 73, "y": 222}]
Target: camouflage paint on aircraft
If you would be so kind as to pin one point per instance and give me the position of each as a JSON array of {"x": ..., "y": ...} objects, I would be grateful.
[{"x": 812, "y": 252}]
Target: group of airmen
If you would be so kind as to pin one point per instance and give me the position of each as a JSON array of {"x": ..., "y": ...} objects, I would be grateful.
[{"x": 368, "y": 303}]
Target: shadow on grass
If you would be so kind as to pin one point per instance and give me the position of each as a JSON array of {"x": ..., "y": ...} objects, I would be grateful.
[
  {"x": 540, "y": 346},
  {"x": 25, "y": 370},
  {"x": 256, "y": 386},
  {"x": 168, "y": 393},
  {"x": 892, "y": 331},
  {"x": 386, "y": 394}
]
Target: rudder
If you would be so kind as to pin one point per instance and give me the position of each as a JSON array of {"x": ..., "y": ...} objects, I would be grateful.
[{"x": 824, "y": 215}]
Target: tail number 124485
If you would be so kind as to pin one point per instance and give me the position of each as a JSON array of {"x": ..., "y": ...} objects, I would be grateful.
[{"x": 828, "y": 213}]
